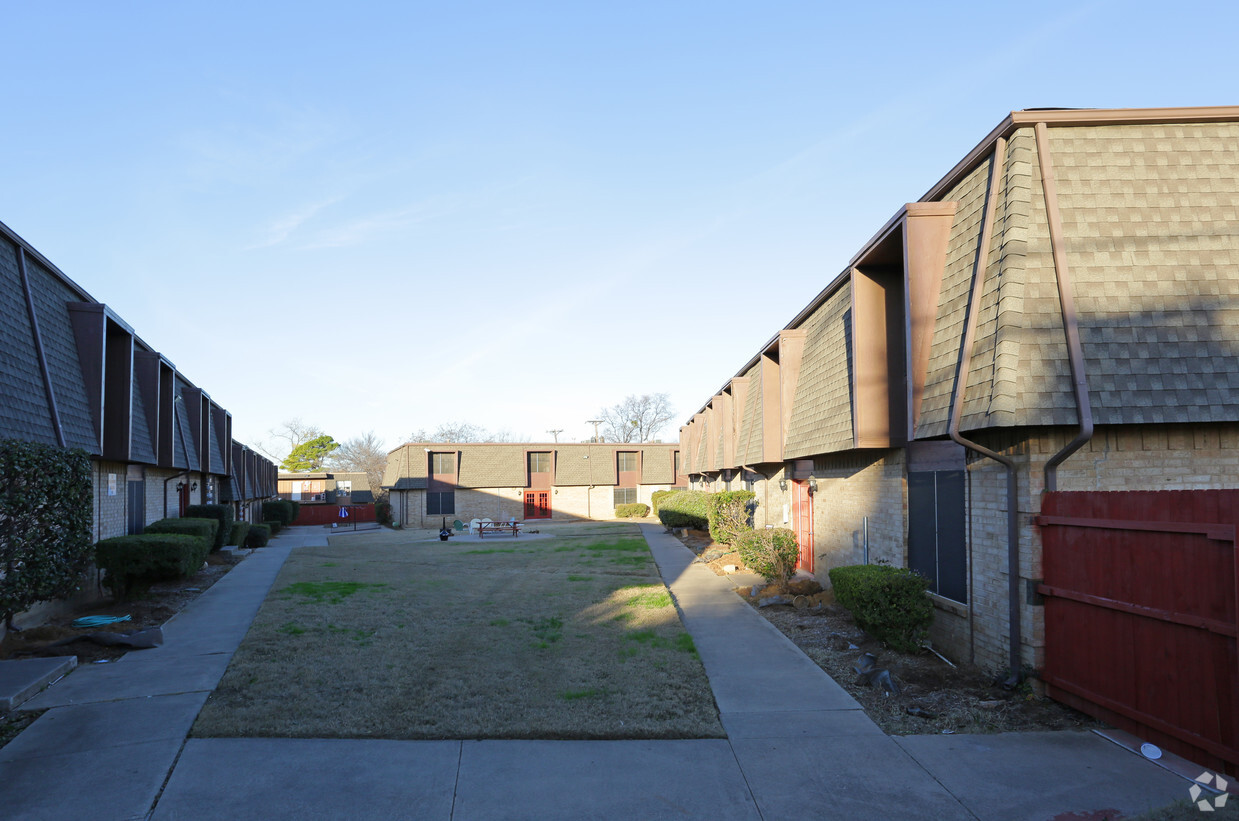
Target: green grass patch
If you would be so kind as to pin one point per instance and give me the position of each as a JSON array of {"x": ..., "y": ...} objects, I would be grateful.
[
  {"x": 525, "y": 642},
  {"x": 328, "y": 592}
]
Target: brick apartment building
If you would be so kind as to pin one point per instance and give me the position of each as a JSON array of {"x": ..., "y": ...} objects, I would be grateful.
[
  {"x": 430, "y": 481},
  {"x": 1067, "y": 298},
  {"x": 76, "y": 375}
]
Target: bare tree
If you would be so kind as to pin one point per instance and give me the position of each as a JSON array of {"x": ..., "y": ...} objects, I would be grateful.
[
  {"x": 284, "y": 439},
  {"x": 363, "y": 454},
  {"x": 464, "y": 432},
  {"x": 637, "y": 418}
]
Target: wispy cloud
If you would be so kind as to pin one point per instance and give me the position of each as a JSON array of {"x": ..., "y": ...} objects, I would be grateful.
[
  {"x": 373, "y": 226},
  {"x": 284, "y": 227}
]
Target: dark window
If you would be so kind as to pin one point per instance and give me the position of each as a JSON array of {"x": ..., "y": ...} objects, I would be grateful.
[
  {"x": 440, "y": 504},
  {"x": 937, "y": 547},
  {"x": 627, "y": 462},
  {"x": 625, "y": 496},
  {"x": 443, "y": 464},
  {"x": 539, "y": 463}
]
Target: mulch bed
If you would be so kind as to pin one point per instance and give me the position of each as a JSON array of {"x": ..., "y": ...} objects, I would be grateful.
[
  {"x": 933, "y": 696},
  {"x": 164, "y": 601}
]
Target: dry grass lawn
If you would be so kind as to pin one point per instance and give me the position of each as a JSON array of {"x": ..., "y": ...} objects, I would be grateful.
[{"x": 377, "y": 636}]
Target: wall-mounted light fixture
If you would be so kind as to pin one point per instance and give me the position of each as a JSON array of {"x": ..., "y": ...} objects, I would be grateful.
[
  {"x": 812, "y": 485},
  {"x": 782, "y": 484}
]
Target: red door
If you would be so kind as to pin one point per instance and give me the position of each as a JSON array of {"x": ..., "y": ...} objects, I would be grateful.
[
  {"x": 537, "y": 504},
  {"x": 183, "y": 497},
  {"x": 802, "y": 523}
]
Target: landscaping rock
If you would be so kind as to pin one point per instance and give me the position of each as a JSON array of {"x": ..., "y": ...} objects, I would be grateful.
[
  {"x": 769, "y": 601},
  {"x": 804, "y": 587},
  {"x": 713, "y": 554}
]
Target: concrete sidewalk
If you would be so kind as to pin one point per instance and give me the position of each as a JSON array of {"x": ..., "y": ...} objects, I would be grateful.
[{"x": 798, "y": 745}]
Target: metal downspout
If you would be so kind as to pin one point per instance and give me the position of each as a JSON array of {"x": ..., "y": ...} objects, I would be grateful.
[
  {"x": 957, "y": 406},
  {"x": 1066, "y": 300}
]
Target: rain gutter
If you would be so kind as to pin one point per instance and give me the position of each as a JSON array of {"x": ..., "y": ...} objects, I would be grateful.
[{"x": 957, "y": 407}]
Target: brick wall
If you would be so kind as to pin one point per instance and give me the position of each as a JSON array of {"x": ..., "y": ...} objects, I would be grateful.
[
  {"x": 109, "y": 495},
  {"x": 500, "y": 504},
  {"x": 850, "y": 488}
]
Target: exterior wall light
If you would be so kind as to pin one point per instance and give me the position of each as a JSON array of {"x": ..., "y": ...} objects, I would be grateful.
[
  {"x": 812, "y": 485},
  {"x": 782, "y": 484}
]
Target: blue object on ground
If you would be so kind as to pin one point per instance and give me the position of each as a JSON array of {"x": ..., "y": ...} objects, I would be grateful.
[{"x": 97, "y": 621}]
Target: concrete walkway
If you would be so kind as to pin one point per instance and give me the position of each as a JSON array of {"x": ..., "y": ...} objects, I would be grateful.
[{"x": 113, "y": 743}]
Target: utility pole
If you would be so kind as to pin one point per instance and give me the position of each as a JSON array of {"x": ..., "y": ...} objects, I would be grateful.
[
  {"x": 595, "y": 423},
  {"x": 556, "y": 433}
]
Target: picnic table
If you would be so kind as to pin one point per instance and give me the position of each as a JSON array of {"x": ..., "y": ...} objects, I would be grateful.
[{"x": 498, "y": 528}]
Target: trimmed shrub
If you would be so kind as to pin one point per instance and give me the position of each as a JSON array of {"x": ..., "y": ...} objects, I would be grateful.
[
  {"x": 45, "y": 519},
  {"x": 281, "y": 511},
  {"x": 221, "y": 513},
  {"x": 258, "y": 536},
  {"x": 685, "y": 508},
  {"x": 657, "y": 496},
  {"x": 296, "y": 510},
  {"x": 771, "y": 551},
  {"x": 238, "y": 532},
  {"x": 274, "y": 526},
  {"x": 203, "y": 529},
  {"x": 889, "y": 603},
  {"x": 730, "y": 513},
  {"x": 637, "y": 510},
  {"x": 132, "y": 563}
]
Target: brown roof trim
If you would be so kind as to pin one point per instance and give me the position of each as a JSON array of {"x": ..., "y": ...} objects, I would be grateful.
[
  {"x": 1016, "y": 119},
  {"x": 1077, "y": 116}
]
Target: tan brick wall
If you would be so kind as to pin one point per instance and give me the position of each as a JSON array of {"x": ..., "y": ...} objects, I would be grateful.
[
  {"x": 567, "y": 503},
  {"x": 850, "y": 489},
  {"x": 109, "y": 519}
]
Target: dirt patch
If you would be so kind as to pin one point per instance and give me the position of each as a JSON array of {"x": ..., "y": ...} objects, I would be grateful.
[
  {"x": 164, "y": 601},
  {"x": 933, "y": 696}
]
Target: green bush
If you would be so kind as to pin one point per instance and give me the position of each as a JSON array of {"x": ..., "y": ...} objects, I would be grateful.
[
  {"x": 258, "y": 536},
  {"x": 274, "y": 525},
  {"x": 238, "y": 532},
  {"x": 685, "y": 508},
  {"x": 771, "y": 551},
  {"x": 889, "y": 603},
  {"x": 203, "y": 529},
  {"x": 382, "y": 512},
  {"x": 221, "y": 513},
  {"x": 132, "y": 563},
  {"x": 295, "y": 508},
  {"x": 657, "y": 496},
  {"x": 637, "y": 510},
  {"x": 281, "y": 511},
  {"x": 729, "y": 514},
  {"x": 45, "y": 518}
]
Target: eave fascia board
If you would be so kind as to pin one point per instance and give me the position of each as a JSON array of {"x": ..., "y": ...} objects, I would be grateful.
[{"x": 1077, "y": 117}]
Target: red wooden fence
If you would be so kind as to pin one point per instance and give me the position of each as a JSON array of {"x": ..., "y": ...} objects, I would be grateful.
[
  {"x": 1140, "y": 615},
  {"x": 327, "y": 514}
]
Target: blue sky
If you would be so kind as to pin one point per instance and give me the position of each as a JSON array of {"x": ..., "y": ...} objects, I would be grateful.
[{"x": 387, "y": 216}]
